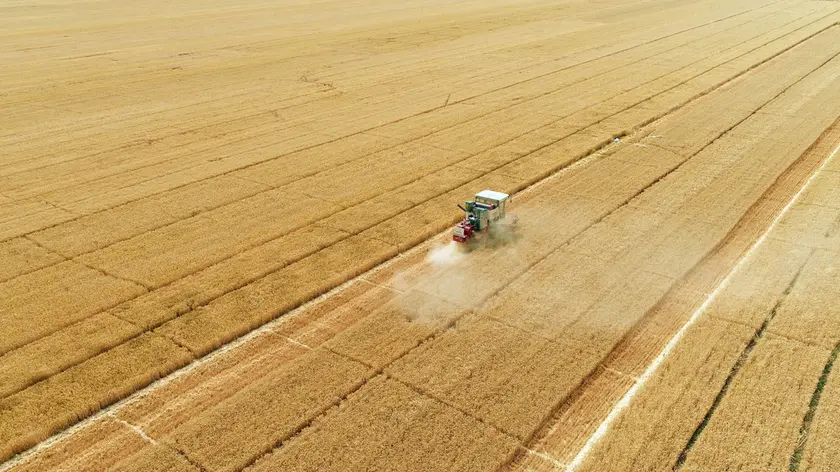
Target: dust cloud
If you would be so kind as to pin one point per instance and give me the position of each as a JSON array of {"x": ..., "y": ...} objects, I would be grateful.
[
  {"x": 453, "y": 276},
  {"x": 444, "y": 255}
]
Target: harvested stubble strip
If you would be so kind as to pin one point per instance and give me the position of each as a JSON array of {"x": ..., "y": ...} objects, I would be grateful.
[
  {"x": 647, "y": 339},
  {"x": 315, "y": 325},
  {"x": 649, "y": 435},
  {"x": 553, "y": 293},
  {"x": 601, "y": 283},
  {"x": 393, "y": 330},
  {"x": 240, "y": 429},
  {"x": 49, "y": 355},
  {"x": 760, "y": 284},
  {"x": 392, "y": 427},
  {"x": 92, "y": 449},
  {"x": 619, "y": 309},
  {"x": 811, "y": 226},
  {"x": 825, "y": 189},
  {"x": 41, "y": 410},
  {"x": 577, "y": 420},
  {"x": 756, "y": 425},
  {"x": 68, "y": 292},
  {"x": 652, "y": 431},
  {"x": 499, "y": 374}
]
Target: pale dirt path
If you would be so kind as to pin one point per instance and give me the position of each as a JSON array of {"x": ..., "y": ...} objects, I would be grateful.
[{"x": 243, "y": 291}]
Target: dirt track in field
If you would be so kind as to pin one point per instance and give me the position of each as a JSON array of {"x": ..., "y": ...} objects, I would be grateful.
[{"x": 180, "y": 177}]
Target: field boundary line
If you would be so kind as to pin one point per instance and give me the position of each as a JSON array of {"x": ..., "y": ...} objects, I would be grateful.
[{"x": 653, "y": 367}]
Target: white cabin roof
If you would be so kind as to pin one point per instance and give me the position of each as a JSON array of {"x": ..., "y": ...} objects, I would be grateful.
[{"x": 491, "y": 195}]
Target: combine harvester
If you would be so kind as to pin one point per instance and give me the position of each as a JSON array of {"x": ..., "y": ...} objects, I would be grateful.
[{"x": 485, "y": 221}]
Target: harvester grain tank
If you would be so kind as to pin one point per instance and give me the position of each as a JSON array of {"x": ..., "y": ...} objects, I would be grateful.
[{"x": 486, "y": 215}]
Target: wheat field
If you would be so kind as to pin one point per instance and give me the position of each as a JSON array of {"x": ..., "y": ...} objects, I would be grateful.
[{"x": 224, "y": 235}]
